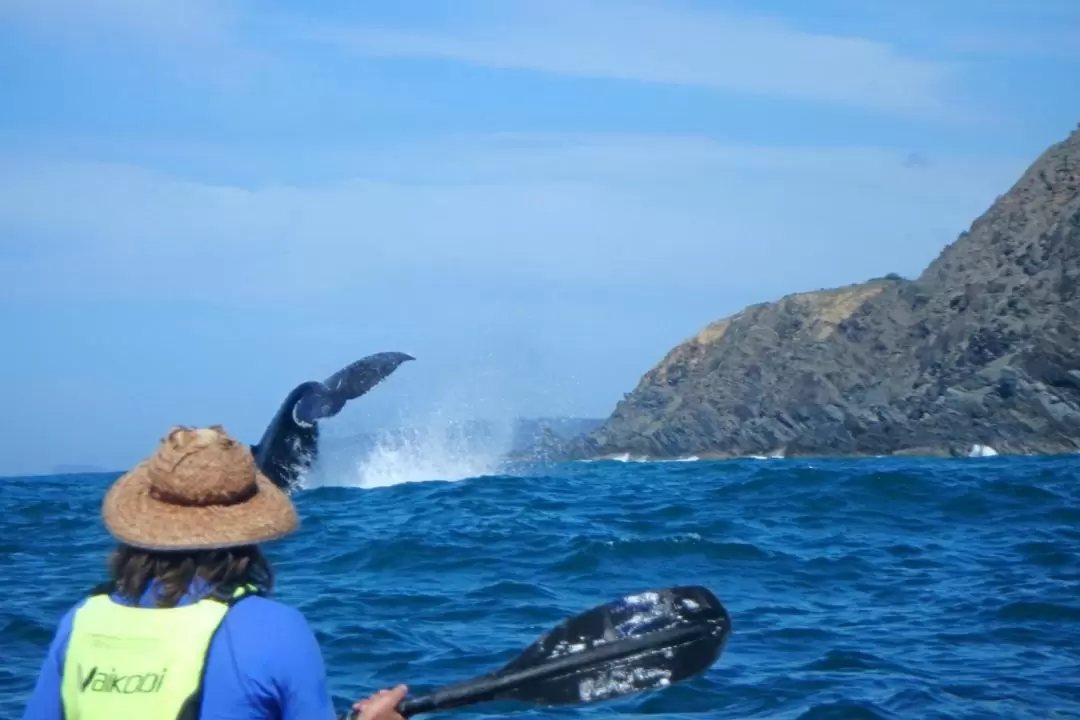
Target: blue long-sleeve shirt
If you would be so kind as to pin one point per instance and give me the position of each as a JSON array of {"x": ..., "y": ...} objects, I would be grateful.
[{"x": 264, "y": 663}]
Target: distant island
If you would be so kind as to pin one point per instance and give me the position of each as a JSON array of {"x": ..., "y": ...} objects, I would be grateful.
[
  {"x": 75, "y": 469},
  {"x": 982, "y": 350}
]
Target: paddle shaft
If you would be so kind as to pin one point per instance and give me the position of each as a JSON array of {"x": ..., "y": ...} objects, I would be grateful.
[{"x": 491, "y": 686}]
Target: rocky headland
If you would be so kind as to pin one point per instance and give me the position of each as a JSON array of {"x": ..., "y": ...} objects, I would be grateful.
[{"x": 982, "y": 349}]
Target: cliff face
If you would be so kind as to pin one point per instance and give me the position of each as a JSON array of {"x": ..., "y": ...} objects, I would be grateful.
[{"x": 982, "y": 348}]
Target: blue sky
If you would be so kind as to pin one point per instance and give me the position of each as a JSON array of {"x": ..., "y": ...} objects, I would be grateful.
[{"x": 203, "y": 203}]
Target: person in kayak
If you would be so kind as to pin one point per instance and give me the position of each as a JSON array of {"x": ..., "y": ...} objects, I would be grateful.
[{"x": 185, "y": 628}]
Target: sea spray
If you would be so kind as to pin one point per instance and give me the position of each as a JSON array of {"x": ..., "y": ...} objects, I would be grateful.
[{"x": 436, "y": 450}]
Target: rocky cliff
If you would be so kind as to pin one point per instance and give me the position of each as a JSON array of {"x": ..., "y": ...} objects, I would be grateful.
[{"x": 982, "y": 348}]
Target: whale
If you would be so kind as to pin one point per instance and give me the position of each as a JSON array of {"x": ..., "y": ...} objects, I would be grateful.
[{"x": 290, "y": 444}]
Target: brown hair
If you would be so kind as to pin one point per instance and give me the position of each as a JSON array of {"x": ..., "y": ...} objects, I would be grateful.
[{"x": 133, "y": 569}]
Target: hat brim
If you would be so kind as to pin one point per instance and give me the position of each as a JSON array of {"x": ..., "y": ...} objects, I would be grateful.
[{"x": 135, "y": 518}]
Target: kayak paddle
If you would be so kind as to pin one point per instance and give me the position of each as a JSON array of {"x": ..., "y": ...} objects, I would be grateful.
[{"x": 639, "y": 642}]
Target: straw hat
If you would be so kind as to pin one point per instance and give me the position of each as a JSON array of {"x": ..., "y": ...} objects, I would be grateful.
[{"x": 200, "y": 490}]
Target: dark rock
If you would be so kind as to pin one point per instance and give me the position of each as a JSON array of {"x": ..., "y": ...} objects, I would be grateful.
[
  {"x": 543, "y": 438},
  {"x": 982, "y": 348}
]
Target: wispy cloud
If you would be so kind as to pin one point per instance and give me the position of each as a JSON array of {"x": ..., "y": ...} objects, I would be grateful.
[
  {"x": 556, "y": 209},
  {"x": 1058, "y": 42},
  {"x": 192, "y": 34},
  {"x": 667, "y": 42},
  {"x": 991, "y": 29}
]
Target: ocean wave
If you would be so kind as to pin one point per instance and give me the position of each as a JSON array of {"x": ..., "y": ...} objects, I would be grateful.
[{"x": 891, "y": 588}]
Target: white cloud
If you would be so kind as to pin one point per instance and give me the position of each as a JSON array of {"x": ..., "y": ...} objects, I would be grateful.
[
  {"x": 661, "y": 42},
  {"x": 650, "y": 41},
  {"x": 1058, "y": 42},
  {"x": 557, "y": 209},
  {"x": 189, "y": 35},
  {"x": 994, "y": 29}
]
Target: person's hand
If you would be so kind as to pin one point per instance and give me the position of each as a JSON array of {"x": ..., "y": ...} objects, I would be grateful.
[{"x": 381, "y": 706}]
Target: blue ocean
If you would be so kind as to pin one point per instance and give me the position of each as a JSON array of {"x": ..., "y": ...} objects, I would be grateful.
[{"x": 858, "y": 589}]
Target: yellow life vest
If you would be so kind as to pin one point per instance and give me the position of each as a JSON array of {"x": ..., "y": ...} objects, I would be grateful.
[{"x": 139, "y": 663}]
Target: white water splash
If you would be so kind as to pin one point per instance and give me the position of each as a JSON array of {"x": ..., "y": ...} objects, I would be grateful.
[
  {"x": 982, "y": 451},
  {"x": 441, "y": 451},
  {"x": 565, "y": 648},
  {"x": 649, "y": 597},
  {"x": 628, "y": 458},
  {"x": 619, "y": 681}
]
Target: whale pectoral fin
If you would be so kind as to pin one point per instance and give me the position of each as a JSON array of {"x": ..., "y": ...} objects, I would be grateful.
[
  {"x": 326, "y": 399},
  {"x": 289, "y": 444},
  {"x": 359, "y": 377}
]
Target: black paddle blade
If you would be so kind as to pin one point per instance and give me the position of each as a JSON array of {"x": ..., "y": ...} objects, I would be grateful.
[{"x": 640, "y": 642}]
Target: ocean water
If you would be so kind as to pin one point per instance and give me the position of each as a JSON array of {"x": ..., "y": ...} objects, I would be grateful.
[{"x": 858, "y": 589}]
